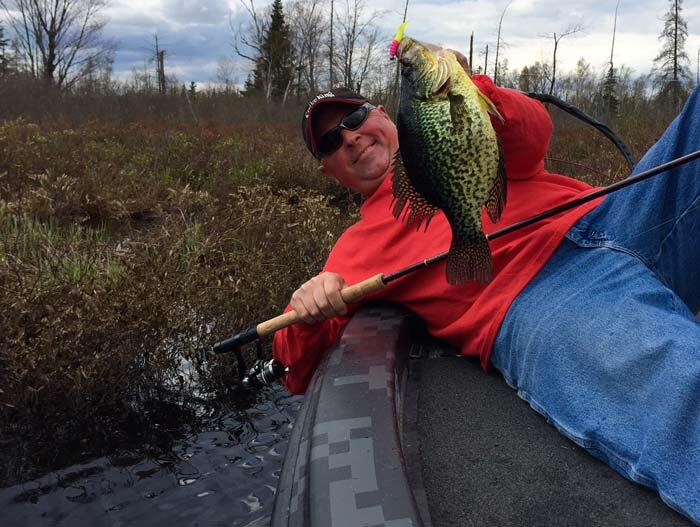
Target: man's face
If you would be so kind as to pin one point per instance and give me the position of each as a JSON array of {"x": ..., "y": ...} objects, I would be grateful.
[{"x": 365, "y": 155}]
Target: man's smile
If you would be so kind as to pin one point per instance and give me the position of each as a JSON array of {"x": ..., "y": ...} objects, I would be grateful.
[{"x": 363, "y": 151}]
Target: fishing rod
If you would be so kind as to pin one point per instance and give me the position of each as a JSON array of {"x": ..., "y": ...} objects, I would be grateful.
[{"x": 264, "y": 373}]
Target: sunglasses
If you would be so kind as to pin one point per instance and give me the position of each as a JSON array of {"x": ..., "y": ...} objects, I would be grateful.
[{"x": 333, "y": 138}]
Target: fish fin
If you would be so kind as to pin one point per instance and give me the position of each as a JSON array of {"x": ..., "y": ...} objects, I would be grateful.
[
  {"x": 499, "y": 192},
  {"x": 459, "y": 114},
  {"x": 487, "y": 105},
  {"x": 469, "y": 261},
  {"x": 407, "y": 201}
]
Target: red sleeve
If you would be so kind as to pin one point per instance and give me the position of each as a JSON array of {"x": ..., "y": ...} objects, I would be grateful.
[
  {"x": 525, "y": 132},
  {"x": 302, "y": 346}
]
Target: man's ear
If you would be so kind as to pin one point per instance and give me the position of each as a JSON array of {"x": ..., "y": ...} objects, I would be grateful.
[{"x": 383, "y": 111}]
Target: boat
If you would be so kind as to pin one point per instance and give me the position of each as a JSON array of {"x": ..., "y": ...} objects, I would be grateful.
[{"x": 397, "y": 430}]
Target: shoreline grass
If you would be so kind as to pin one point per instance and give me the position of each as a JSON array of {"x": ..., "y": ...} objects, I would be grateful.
[{"x": 114, "y": 244}]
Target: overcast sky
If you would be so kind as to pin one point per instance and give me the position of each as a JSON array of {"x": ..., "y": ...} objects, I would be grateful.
[{"x": 195, "y": 33}]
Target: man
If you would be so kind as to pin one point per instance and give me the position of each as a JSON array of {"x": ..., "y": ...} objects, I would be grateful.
[{"x": 589, "y": 314}]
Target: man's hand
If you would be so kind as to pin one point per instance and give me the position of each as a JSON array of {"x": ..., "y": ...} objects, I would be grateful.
[{"x": 319, "y": 298}]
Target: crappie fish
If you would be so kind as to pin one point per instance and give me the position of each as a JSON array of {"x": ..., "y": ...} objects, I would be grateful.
[{"x": 451, "y": 158}]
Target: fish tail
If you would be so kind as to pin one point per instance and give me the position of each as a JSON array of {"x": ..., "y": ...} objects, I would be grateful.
[{"x": 469, "y": 261}]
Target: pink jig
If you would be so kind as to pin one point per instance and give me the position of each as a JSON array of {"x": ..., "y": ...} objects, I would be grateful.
[{"x": 393, "y": 48}]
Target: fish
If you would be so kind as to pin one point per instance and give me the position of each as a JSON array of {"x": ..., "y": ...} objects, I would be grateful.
[{"x": 449, "y": 157}]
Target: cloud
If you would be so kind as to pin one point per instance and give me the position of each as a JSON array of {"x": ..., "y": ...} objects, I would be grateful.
[
  {"x": 176, "y": 14},
  {"x": 529, "y": 25},
  {"x": 195, "y": 33}
]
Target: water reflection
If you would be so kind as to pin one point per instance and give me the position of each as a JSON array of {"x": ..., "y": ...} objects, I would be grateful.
[{"x": 225, "y": 474}]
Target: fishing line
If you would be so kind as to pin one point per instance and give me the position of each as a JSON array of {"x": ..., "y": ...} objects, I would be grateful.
[{"x": 397, "y": 86}]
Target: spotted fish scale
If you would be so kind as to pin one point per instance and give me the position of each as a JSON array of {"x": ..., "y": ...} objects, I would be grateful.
[{"x": 450, "y": 157}]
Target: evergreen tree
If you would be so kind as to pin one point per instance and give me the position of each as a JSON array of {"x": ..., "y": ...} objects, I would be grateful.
[
  {"x": 611, "y": 102},
  {"x": 249, "y": 87},
  {"x": 273, "y": 73},
  {"x": 670, "y": 66},
  {"x": 524, "y": 83}
]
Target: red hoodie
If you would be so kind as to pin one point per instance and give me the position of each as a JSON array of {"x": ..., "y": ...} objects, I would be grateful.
[{"x": 468, "y": 316}]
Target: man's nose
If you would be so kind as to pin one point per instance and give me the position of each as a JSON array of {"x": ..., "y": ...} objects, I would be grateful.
[{"x": 351, "y": 137}]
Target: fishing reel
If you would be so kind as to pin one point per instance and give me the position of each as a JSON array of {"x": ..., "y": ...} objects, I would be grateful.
[{"x": 264, "y": 373}]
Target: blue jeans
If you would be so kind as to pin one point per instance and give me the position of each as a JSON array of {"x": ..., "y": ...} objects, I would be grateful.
[{"x": 604, "y": 342}]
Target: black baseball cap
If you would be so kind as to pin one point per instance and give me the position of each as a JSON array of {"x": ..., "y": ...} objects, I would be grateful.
[{"x": 341, "y": 95}]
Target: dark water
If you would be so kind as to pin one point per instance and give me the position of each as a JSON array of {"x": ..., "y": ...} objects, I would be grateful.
[{"x": 226, "y": 474}]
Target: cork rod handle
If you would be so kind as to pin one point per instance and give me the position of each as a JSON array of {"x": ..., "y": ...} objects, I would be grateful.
[{"x": 349, "y": 295}]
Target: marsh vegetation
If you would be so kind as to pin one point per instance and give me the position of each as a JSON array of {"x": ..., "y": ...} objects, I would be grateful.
[{"x": 136, "y": 231}]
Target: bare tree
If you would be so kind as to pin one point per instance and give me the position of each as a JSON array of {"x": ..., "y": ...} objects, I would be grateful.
[
  {"x": 534, "y": 78},
  {"x": 359, "y": 39},
  {"x": 471, "y": 53},
  {"x": 570, "y": 30},
  {"x": 308, "y": 28},
  {"x": 60, "y": 40},
  {"x": 368, "y": 57},
  {"x": 226, "y": 72},
  {"x": 160, "y": 66},
  {"x": 612, "y": 46},
  {"x": 498, "y": 41},
  {"x": 610, "y": 81},
  {"x": 142, "y": 80},
  {"x": 485, "y": 54},
  {"x": 252, "y": 37},
  {"x": 581, "y": 85}
]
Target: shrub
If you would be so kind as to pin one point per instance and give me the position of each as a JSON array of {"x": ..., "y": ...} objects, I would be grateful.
[{"x": 115, "y": 278}]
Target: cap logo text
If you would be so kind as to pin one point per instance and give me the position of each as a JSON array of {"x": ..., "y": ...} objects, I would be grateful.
[{"x": 316, "y": 99}]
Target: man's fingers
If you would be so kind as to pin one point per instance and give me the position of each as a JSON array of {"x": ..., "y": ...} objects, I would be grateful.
[
  {"x": 319, "y": 298},
  {"x": 332, "y": 288},
  {"x": 324, "y": 305},
  {"x": 302, "y": 303}
]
